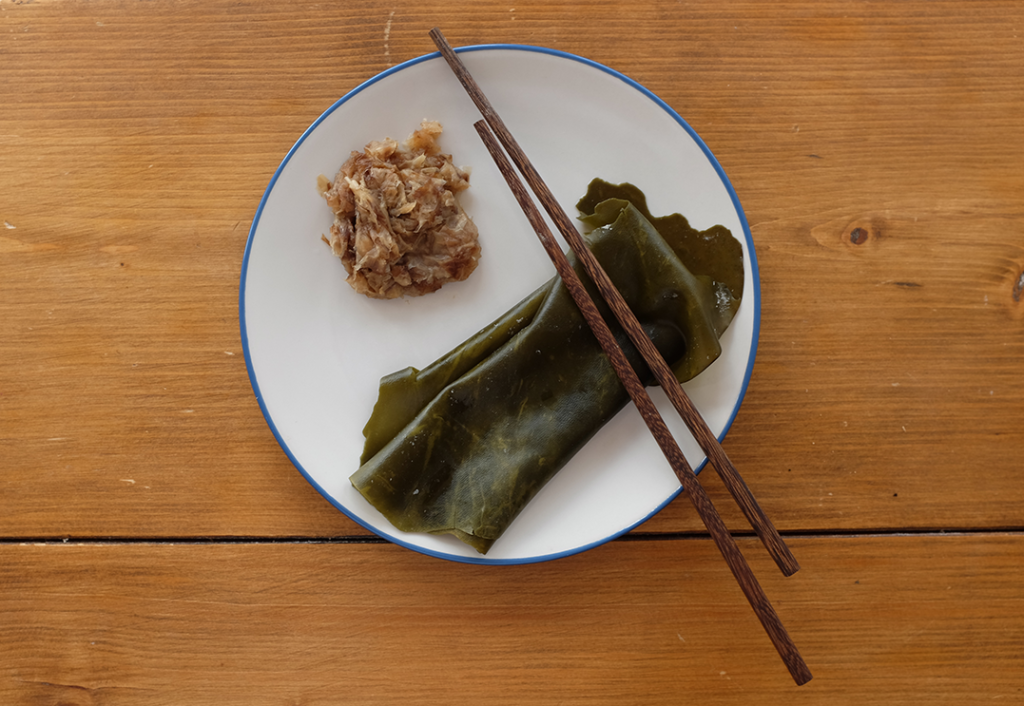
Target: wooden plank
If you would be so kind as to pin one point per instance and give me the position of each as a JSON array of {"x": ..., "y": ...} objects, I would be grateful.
[
  {"x": 136, "y": 140},
  {"x": 890, "y": 620}
]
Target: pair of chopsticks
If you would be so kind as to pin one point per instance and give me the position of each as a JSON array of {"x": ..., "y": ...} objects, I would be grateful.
[{"x": 637, "y": 392}]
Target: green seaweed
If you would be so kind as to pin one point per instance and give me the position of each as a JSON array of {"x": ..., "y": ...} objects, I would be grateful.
[{"x": 463, "y": 445}]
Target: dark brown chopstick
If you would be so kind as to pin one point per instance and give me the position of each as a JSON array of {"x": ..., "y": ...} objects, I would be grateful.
[
  {"x": 764, "y": 528},
  {"x": 737, "y": 564},
  {"x": 638, "y": 393}
]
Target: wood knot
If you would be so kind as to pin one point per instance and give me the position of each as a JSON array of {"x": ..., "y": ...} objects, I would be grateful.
[
  {"x": 858, "y": 236},
  {"x": 1018, "y": 288},
  {"x": 864, "y": 232}
]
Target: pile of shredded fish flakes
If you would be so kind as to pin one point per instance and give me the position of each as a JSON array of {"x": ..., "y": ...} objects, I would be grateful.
[{"x": 398, "y": 227}]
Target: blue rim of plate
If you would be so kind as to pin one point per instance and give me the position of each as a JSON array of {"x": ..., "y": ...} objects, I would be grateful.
[{"x": 755, "y": 278}]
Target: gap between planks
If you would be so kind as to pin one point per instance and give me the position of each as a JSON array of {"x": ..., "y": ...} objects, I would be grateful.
[{"x": 631, "y": 537}]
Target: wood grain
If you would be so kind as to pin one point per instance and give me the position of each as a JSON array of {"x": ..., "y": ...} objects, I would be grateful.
[
  {"x": 135, "y": 147},
  {"x": 629, "y": 623},
  {"x": 876, "y": 151}
]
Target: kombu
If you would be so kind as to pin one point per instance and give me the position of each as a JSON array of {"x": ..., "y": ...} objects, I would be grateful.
[{"x": 463, "y": 445}]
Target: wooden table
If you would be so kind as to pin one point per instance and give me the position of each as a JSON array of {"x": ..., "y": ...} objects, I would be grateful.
[{"x": 157, "y": 547}]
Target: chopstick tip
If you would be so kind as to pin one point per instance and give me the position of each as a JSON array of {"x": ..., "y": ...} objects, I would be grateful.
[{"x": 438, "y": 36}]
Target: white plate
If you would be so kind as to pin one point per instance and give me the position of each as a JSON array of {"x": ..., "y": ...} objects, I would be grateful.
[{"x": 316, "y": 350}]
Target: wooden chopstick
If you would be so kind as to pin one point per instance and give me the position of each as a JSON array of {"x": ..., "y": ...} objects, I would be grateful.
[
  {"x": 764, "y": 528},
  {"x": 638, "y": 393},
  {"x": 635, "y": 388}
]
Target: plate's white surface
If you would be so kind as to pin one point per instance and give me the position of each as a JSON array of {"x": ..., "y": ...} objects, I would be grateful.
[{"x": 315, "y": 349}]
